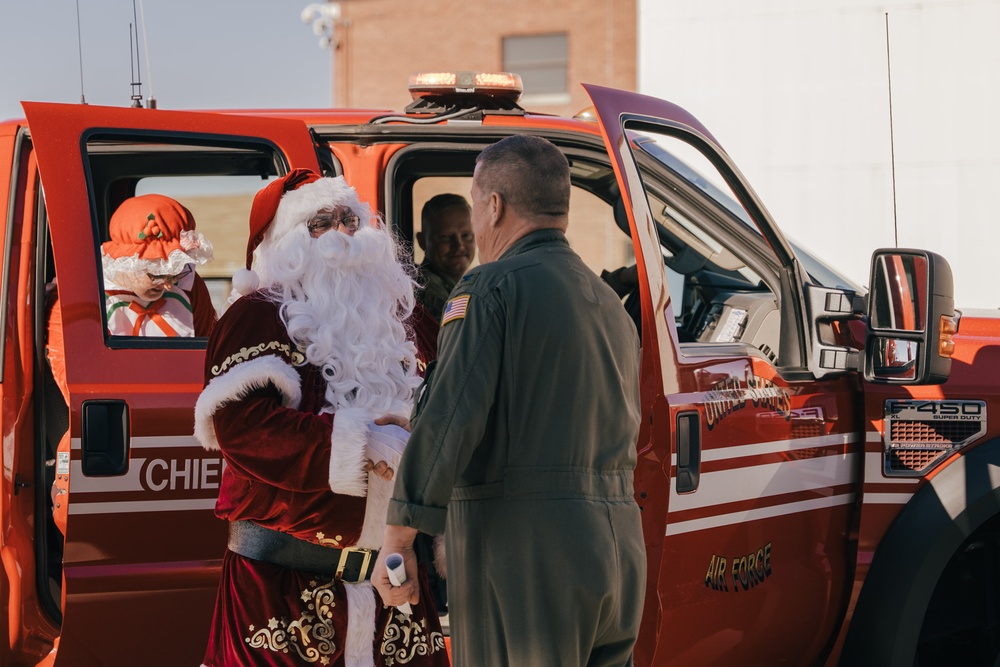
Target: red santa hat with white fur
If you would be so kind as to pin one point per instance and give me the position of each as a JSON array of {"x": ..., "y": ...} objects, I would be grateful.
[{"x": 286, "y": 203}]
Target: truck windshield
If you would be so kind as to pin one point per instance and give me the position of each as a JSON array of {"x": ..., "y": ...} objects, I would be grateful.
[
  {"x": 821, "y": 273},
  {"x": 689, "y": 164}
]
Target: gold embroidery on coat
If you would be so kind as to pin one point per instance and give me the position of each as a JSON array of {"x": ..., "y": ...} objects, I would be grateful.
[
  {"x": 255, "y": 351},
  {"x": 329, "y": 541},
  {"x": 310, "y": 636},
  {"x": 405, "y": 639}
]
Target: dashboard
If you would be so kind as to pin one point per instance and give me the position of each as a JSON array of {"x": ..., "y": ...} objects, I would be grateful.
[{"x": 749, "y": 317}]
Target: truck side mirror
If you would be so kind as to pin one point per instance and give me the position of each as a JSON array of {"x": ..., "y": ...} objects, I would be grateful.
[{"x": 911, "y": 318}]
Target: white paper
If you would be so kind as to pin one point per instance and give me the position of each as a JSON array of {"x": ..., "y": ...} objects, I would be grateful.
[{"x": 397, "y": 575}]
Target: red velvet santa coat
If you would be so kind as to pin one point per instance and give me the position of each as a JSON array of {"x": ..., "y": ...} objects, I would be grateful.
[{"x": 262, "y": 408}]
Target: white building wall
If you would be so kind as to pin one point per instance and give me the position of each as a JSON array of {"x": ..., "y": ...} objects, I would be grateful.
[{"x": 797, "y": 92}]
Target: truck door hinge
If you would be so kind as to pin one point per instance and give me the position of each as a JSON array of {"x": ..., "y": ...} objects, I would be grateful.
[{"x": 18, "y": 484}]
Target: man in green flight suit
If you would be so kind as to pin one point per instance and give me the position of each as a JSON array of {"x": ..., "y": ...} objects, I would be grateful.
[
  {"x": 449, "y": 245},
  {"x": 524, "y": 436}
]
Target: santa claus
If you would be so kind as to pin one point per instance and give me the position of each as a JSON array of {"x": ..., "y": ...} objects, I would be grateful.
[{"x": 312, "y": 355}]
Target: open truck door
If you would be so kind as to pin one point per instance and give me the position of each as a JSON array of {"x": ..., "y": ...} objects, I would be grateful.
[
  {"x": 141, "y": 547},
  {"x": 751, "y": 422}
]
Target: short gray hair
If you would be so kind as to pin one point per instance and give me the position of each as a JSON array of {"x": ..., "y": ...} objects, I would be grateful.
[{"x": 529, "y": 172}]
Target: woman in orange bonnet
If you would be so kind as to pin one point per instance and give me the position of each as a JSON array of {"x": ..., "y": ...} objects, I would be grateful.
[{"x": 151, "y": 288}]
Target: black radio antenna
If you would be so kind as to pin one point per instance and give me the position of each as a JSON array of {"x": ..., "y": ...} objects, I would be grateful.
[
  {"x": 133, "y": 57},
  {"x": 79, "y": 43},
  {"x": 892, "y": 142}
]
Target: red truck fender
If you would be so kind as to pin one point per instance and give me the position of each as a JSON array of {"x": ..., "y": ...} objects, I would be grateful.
[{"x": 955, "y": 511}]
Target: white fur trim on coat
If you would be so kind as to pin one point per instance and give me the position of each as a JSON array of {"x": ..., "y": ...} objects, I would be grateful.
[
  {"x": 360, "y": 641},
  {"x": 236, "y": 383},
  {"x": 347, "y": 452},
  {"x": 376, "y": 506},
  {"x": 385, "y": 443}
]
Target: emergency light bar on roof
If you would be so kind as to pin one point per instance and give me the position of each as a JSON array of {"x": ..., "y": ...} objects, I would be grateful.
[
  {"x": 496, "y": 84},
  {"x": 465, "y": 95}
]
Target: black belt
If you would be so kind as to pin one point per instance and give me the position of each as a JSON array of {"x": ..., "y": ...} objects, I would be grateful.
[{"x": 351, "y": 565}]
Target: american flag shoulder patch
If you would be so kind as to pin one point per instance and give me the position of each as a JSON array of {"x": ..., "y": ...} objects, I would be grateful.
[{"x": 455, "y": 308}]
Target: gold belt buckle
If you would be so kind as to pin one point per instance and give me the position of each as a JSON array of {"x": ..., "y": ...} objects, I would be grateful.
[{"x": 342, "y": 562}]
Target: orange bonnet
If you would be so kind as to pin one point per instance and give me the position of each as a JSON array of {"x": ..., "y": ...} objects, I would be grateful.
[{"x": 156, "y": 232}]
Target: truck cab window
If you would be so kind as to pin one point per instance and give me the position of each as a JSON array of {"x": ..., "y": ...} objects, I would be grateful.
[
  {"x": 600, "y": 244},
  {"x": 221, "y": 207},
  {"x": 171, "y": 229},
  {"x": 719, "y": 269}
]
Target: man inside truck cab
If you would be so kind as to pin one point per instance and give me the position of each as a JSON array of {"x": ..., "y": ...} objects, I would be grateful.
[
  {"x": 150, "y": 289},
  {"x": 449, "y": 244}
]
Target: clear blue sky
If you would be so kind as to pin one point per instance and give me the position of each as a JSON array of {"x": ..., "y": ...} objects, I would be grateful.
[{"x": 203, "y": 54}]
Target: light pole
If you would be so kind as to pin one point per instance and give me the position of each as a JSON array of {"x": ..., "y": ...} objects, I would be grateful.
[{"x": 323, "y": 16}]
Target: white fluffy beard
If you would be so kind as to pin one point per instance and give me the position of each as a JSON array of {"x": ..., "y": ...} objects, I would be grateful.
[{"x": 344, "y": 300}]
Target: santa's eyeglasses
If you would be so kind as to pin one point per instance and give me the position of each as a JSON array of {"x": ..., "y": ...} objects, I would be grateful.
[
  {"x": 324, "y": 222},
  {"x": 172, "y": 278}
]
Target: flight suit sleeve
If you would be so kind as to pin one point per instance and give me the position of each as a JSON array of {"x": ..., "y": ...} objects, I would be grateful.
[{"x": 452, "y": 410}]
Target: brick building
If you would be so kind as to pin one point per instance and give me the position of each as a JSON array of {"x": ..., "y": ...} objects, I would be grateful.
[
  {"x": 377, "y": 44},
  {"x": 554, "y": 47}
]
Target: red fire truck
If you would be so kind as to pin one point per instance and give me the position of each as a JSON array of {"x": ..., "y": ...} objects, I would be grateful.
[{"x": 818, "y": 478}]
